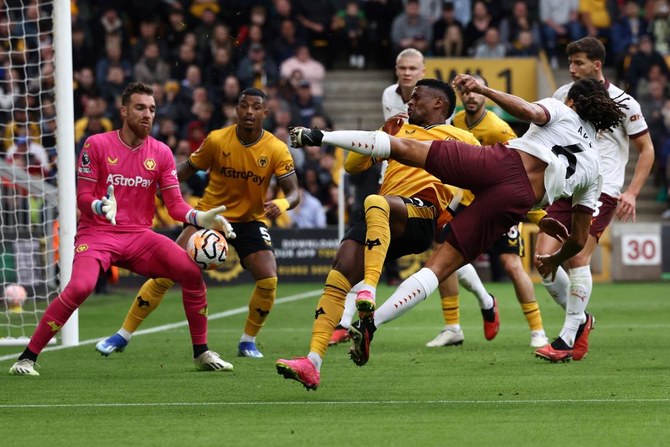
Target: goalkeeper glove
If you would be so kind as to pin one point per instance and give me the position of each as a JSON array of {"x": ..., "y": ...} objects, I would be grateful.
[
  {"x": 212, "y": 220},
  {"x": 106, "y": 206}
]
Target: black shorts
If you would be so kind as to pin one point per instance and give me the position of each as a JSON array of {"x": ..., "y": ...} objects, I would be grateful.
[
  {"x": 419, "y": 231},
  {"x": 511, "y": 242},
  {"x": 251, "y": 237}
]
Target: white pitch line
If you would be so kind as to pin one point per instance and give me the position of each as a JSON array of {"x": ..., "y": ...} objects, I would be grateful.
[
  {"x": 312, "y": 403},
  {"x": 167, "y": 327}
]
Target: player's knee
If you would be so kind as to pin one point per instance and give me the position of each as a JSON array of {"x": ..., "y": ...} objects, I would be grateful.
[
  {"x": 78, "y": 289},
  {"x": 267, "y": 284},
  {"x": 376, "y": 201}
]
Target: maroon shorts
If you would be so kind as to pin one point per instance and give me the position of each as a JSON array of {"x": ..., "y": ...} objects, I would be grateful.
[
  {"x": 503, "y": 193},
  {"x": 561, "y": 210}
]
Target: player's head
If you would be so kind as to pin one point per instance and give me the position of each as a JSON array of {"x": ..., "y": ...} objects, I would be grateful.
[
  {"x": 138, "y": 108},
  {"x": 473, "y": 103},
  {"x": 589, "y": 98},
  {"x": 432, "y": 102},
  {"x": 586, "y": 57},
  {"x": 251, "y": 109},
  {"x": 409, "y": 67}
]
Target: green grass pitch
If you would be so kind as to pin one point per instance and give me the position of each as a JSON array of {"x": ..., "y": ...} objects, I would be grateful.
[{"x": 480, "y": 394}]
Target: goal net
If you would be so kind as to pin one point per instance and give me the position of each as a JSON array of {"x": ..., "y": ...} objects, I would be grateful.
[{"x": 35, "y": 148}]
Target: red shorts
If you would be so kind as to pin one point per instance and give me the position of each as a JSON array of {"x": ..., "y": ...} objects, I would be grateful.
[
  {"x": 561, "y": 210},
  {"x": 503, "y": 193}
]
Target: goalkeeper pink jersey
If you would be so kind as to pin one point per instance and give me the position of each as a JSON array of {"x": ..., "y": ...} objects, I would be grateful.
[{"x": 136, "y": 174}]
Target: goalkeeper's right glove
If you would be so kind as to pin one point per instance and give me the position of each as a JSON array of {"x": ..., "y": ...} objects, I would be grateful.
[
  {"x": 106, "y": 206},
  {"x": 212, "y": 220}
]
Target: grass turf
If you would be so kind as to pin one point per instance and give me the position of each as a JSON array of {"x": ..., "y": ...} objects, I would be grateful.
[{"x": 482, "y": 393}]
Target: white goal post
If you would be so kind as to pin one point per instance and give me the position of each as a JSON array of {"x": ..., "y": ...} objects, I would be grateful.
[{"x": 37, "y": 204}]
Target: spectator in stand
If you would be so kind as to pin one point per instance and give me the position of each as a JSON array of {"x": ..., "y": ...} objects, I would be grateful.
[
  {"x": 83, "y": 52},
  {"x": 94, "y": 110},
  {"x": 476, "y": 28},
  {"x": 283, "y": 10},
  {"x": 350, "y": 26},
  {"x": 221, "y": 67},
  {"x": 652, "y": 101},
  {"x": 659, "y": 26},
  {"x": 85, "y": 88},
  {"x": 411, "y": 30},
  {"x": 512, "y": 26},
  {"x": 257, "y": 69},
  {"x": 626, "y": 33},
  {"x": 315, "y": 16},
  {"x": 285, "y": 45},
  {"x": 560, "y": 18},
  {"x": 205, "y": 27},
  {"x": 490, "y": 47},
  {"x": 150, "y": 67},
  {"x": 596, "y": 17},
  {"x": 257, "y": 25},
  {"x": 109, "y": 28},
  {"x": 191, "y": 81},
  {"x": 312, "y": 70},
  {"x": 112, "y": 87},
  {"x": 148, "y": 34},
  {"x": 255, "y": 36},
  {"x": 167, "y": 103},
  {"x": 524, "y": 46},
  {"x": 185, "y": 57},
  {"x": 309, "y": 212},
  {"x": 221, "y": 39},
  {"x": 641, "y": 62},
  {"x": 166, "y": 132},
  {"x": 304, "y": 105},
  {"x": 176, "y": 27},
  {"x": 29, "y": 154},
  {"x": 444, "y": 41},
  {"x": 113, "y": 56}
]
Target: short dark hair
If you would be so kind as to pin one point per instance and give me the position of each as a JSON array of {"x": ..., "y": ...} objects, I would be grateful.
[
  {"x": 252, "y": 91},
  {"x": 135, "y": 87},
  {"x": 592, "y": 47},
  {"x": 444, "y": 88}
]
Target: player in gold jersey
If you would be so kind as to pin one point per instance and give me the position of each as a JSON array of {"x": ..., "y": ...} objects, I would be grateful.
[
  {"x": 400, "y": 220},
  {"x": 241, "y": 160},
  {"x": 489, "y": 129}
]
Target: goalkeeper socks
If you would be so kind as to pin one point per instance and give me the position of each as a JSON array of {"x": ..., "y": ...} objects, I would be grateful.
[
  {"x": 195, "y": 307},
  {"x": 28, "y": 354},
  {"x": 199, "y": 349}
]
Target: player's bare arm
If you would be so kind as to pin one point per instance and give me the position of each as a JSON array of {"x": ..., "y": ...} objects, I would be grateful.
[
  {"x": 511, "y": 104},
  {"x": 627, "y": 200},
  {"x": 185, "y": 170},
  {"x": 289, "y": 186},
  {"x": 547, "y": 264}
]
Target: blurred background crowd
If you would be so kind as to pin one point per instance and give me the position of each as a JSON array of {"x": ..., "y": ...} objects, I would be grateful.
[{"x": 200, "y": 54}]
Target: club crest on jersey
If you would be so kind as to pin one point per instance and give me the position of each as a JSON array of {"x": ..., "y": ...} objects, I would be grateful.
[
  {"x": 263, "y": 162},
  {"x": 112, "y": 161},
  {"x": 85, "y": 159},
  {"x": 226, "y": 154},
  {"x": 409, "y": 132},
  {"x": 81, "y": 248},
  {"x": 289, "y": 166},
  {"x": 150, "y": 164}
]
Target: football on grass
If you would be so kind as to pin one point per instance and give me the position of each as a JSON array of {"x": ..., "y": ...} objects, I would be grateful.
[{"x": 208, "y": 249}]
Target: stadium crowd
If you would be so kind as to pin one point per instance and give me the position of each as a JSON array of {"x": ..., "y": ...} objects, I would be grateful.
[{"x": 198, "y": 55}]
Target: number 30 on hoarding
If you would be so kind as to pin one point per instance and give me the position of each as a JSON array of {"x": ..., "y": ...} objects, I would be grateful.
[{"x": 641, "y": 249}]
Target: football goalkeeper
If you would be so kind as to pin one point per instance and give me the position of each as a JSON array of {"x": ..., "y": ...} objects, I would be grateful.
[{"x": 125, "y": 167}]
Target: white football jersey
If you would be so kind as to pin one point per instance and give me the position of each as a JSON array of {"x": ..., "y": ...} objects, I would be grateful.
[
  {"x": 392, "y": 102},
  {"x": 566, "y": 144},
  {"x": 614, "y": 146}
]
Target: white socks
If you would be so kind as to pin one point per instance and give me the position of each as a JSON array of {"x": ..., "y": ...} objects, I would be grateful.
[
  {"x": 468, "y": 278},
  {"x": 410, "y": 293},
  {"x": 315, "y": 359},
  {"x": 350, "y": 306},
  {"x": 376, "y": 144},
  {"x": 559, "y": 289},
  {"x": 246, "y": 337},
  {"x": 581, "y": 284},
  {"x": 125, "y": 334}
]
